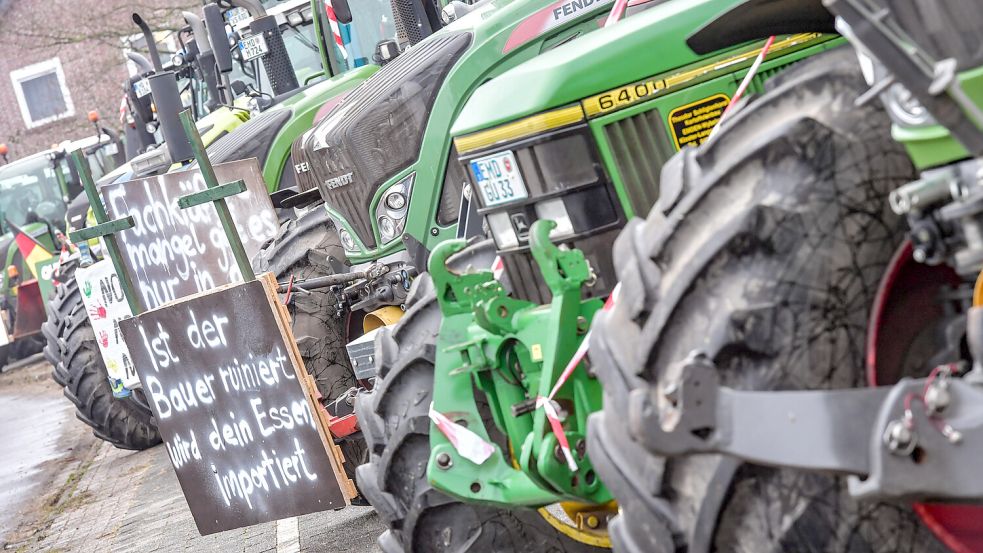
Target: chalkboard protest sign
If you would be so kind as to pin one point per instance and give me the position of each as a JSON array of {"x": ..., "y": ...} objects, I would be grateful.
[
  {"x": 171, "y": 252},
  {"x": 235, "y": 407}
]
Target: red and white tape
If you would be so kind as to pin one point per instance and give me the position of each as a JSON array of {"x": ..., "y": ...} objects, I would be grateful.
[
  {"x": 746, "y": 82},
  {"x": 547, "y": 402},
  {"x": 335, "y": 28},
  {"x": 467, "y": 444},
  {"x": 617, "y": 11}
]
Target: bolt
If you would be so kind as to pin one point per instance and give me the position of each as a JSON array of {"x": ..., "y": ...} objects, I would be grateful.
[
  {"x": 434, "y": 231},
  {"x": 444, "y": 461},
  {"x": 920, "y": 255},
  {"x": 475, "y": 487},
  {"x": 581, "y": 448},
  {"x": 898, "y": 438},
  {"x": 592, "y": 521},
  {"x": 581, "y": 325},
  {"x": 937, "y": 397}
]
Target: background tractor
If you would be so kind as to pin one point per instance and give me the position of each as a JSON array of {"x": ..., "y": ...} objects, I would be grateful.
[
  {"x": 283, "y": 91},
  {"x": 34, "y": 196}
]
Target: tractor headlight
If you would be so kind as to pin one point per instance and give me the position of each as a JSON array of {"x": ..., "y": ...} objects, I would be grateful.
[
  {"x": 393, "y": 206},
  {"x": 347, "y": 241},
  {"x": 395, "y": 200}
]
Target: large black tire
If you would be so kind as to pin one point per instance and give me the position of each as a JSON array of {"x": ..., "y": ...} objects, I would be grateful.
[
  {"x": 60, "y": 307},
  {"x": 309, "y": 247},
  {"x": 766, "y": 256},
  {"x": 125, "y": 423},
  {"x": 394, "y": 418},
  {"x": 304, "y": 248}
]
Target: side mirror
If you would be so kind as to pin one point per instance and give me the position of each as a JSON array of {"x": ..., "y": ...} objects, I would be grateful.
[{"x": 342, "y": 11}]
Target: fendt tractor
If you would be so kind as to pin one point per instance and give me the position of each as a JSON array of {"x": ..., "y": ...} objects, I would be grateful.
[
  {"x": 34, "y": 198},
  {"x": 393, "y": 183},
  {"x": 299, "y": 77},
  {"x": 793, "y": 361}
]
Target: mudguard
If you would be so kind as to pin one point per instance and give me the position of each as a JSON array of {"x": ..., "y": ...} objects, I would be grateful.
[{"x": 758, "y": 19}]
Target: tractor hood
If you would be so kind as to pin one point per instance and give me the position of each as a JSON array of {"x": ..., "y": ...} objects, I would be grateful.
[
  {"x": 267, "y": 136},
  {"x": 377, "y": 138},
  {"x": 562, "y": 76}
]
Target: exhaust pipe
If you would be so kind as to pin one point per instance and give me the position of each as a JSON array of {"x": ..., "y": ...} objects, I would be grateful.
[
  {"x": 276, "y": 62},
  {"x": 167, "y": 98},
  {"x": 206, "y": 58}
]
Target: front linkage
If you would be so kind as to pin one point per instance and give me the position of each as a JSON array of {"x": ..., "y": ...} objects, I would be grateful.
[
  {"x": 513, "y": 351},
  {"x": 916, "y": 440}
]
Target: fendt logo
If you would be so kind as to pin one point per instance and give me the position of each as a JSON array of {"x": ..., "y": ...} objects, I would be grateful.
[
  {"x": 302, "y": 167},
  {"x": 572, "y": 7},
  {"x": 338, "y": 182}
]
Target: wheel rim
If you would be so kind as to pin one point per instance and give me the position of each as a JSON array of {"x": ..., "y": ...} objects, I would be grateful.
[
  {"x": 908, "y": 285},
  {"x": 573, "y": 525}
]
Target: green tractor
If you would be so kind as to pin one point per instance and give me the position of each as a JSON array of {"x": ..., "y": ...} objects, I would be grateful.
[
  {"x": 565, "y": 143},
  {"x": 328, "y": 55},
  {"x": 34, "y": 199},
  {"x": 794, "y": 358}
]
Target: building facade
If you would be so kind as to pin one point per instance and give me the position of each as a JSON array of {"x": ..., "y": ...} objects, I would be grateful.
[{"x": 59, "y": 60}]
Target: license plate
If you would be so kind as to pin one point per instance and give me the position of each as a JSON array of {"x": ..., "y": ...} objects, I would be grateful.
[
  {"x": 253, "y": 47},
  {"x": 498, "y": 178},
  {"x": 141, "y": 88},
  {"x": 235, "y": 16}
]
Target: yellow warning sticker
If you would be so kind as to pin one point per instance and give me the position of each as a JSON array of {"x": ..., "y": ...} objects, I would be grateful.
[{"x": 691, "y": 124}]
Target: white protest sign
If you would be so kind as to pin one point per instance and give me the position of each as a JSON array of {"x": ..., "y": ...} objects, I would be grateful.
[{"x": 106, "y": 305}]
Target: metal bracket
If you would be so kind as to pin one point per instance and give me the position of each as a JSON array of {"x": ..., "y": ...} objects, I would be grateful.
[{"x": 853, "y": 432}]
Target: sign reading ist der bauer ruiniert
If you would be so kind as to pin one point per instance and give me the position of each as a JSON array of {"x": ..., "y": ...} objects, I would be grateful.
[{"x": 224, "y": 384}]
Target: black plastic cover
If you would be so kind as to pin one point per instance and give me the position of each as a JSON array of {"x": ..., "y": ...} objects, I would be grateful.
[{"x": 251, "y": 139}]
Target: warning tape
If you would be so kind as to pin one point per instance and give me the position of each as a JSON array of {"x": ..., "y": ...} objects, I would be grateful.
[
  {"x": 467, "y": 444},
  {"x": 751, "y": 72},
  {"x": 335, "y": 28}
]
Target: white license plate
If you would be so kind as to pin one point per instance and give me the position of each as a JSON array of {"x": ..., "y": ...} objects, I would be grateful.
[
  {"x": 141, "y": 88},
  {"x": 498, "y": 178},
  {"x": 235, "y": 16},
  {"x": 253, "y": 47}
]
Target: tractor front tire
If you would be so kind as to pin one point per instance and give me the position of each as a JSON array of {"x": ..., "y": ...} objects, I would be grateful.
[
  {"x": 768, "y": 261},
  {"x": 309, "y": 247},
  {"x": 64, "y": 303},
  {"x": 304, "y": 248},
  {"x": 394, "y": 417}
]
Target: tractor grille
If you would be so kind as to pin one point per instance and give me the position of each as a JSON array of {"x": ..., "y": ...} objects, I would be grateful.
[{"x": 640, "y": 146}]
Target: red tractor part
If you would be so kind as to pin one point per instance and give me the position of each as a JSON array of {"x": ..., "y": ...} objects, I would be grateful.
[{"x": 907, "y": 308}]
